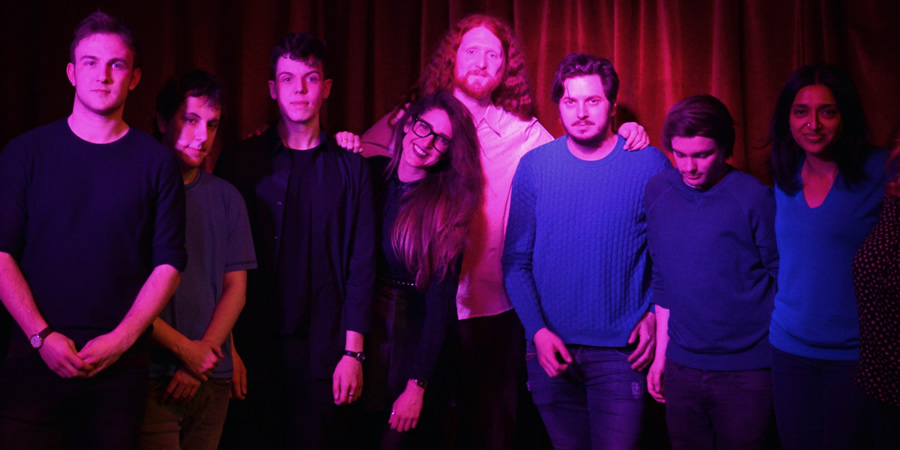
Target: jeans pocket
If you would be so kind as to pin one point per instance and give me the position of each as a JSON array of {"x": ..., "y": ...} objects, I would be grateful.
[
  {"x": 673, "y": 372},
  {"x": 530, "y": 351},
  {"x": 539, "y": 384},
  {"x": 625, "y": 351},
  {"x": 752, "y": 380}
]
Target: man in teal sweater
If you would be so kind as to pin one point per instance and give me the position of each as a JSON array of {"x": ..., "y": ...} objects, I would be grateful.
[{"x": 576, "y": 267}]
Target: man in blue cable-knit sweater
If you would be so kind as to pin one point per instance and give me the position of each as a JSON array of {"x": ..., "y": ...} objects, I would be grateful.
[{"x": 576, "y": 267}]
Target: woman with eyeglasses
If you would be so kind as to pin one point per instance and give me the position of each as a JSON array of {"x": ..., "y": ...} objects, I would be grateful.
[
  {"x": 828, "y": 189},
  {"x": 428, "y": 192}
]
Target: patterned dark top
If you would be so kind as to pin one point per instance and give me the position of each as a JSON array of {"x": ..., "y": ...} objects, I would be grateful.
[{"x": 876, "y": 275}]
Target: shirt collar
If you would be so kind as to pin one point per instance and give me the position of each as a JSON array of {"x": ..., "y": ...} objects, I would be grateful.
[
  {"x": 273, "y": 140},
  {"x": 493, "y": 115},
  {"x": 275, "y": 145}
]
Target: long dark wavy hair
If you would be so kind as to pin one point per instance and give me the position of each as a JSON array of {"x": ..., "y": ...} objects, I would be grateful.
[
  {"x": 430, "y": 231},
  {"x": 514, "y": 93},
  {"x": 849, "y": 149}
]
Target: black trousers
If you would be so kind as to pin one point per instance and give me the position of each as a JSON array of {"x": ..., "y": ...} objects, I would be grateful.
[
  {"x": 390, "y": 350},
  {"x": 40, "y": 410},
  {"x": 286, "y": 407},
  {"x": 492, "y": 374}
]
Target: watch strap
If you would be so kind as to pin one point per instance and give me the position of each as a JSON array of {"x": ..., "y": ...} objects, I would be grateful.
[
  {"x": 358, "y": 356},
  {"x": 46, "y": 332}
]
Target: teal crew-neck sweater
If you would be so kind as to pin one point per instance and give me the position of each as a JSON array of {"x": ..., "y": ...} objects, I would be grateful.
[
  {"x": 575, "y": 258},
  {"x": 815, "y": 307}
]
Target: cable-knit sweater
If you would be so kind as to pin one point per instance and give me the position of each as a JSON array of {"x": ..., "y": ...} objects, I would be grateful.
[{"x": 575, "y": 258}]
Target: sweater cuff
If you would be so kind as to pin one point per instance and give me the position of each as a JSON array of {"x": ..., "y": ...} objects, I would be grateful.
[{"x": 532, "y": 327}]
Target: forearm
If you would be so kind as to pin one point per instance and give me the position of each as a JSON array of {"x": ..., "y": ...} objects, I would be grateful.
[
  {"x": 518, "y": 253},
  {"x": 354, "y": 341},
  {"x": 231, "y": 303},
  {"x": 152, "y": 298},
  {"x": 522, "y": 291},
  {"x": 768, "y": 251},
  {"x": 170, "y": 338},
  {"x": 360, "y": 282},
  {"x": 377, "y": 139},
  {"x": 17, "y": 297},
  {"x": 662, "y": 332}
]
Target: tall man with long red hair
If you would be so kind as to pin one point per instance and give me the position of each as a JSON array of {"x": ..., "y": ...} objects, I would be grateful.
[{"x": 481, "y": 62}]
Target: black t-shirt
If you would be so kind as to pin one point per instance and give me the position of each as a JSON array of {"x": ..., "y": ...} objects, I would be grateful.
[
  {"x": 87, "y": 223},
  {"x": 295, "y": 255}
]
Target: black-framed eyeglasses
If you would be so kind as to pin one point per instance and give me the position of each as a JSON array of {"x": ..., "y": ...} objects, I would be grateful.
[{"x": 423, "y": 129}]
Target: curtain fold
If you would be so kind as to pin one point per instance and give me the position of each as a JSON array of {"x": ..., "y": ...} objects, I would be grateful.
[{"x": 739, "y": 51}]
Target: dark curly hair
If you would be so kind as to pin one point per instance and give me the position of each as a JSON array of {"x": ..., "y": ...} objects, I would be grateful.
[
  {"x": 514, "y": 93},
  {"x": 580, "y": 64},
  {"x": 300, "y": 47}
]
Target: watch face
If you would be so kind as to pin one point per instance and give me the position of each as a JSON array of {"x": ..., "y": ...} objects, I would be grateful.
[{"x": 36, "y": 341}]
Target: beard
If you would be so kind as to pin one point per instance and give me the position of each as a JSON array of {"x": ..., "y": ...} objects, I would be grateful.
[
  {"x": 592, "y": 140},
  {"x": 477, "y": 90}
]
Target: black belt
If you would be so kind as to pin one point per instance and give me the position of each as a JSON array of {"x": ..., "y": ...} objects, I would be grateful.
[{"x": 395, "y": 282}]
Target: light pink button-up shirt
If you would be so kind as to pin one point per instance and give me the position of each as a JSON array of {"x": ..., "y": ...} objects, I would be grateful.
[{"x": 504, "y": 139}]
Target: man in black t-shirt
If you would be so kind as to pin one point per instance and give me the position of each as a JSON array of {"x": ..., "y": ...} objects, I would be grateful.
[{"x": 91, "y": 247}]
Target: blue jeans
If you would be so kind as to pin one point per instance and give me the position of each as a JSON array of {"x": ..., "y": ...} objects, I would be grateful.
[
  {"x": 597, "y": 404},
  {"x": 818, "y": 404},
  {"x": 709, "y": 409}
]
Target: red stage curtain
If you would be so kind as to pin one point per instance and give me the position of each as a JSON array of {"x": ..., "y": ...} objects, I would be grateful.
[{"x": 740, "y": 51}]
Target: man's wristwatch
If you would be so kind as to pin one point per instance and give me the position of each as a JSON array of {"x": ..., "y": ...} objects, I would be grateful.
[
  {"x": 359, "y": 356},
  {"x": 37, "y": 341}
]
